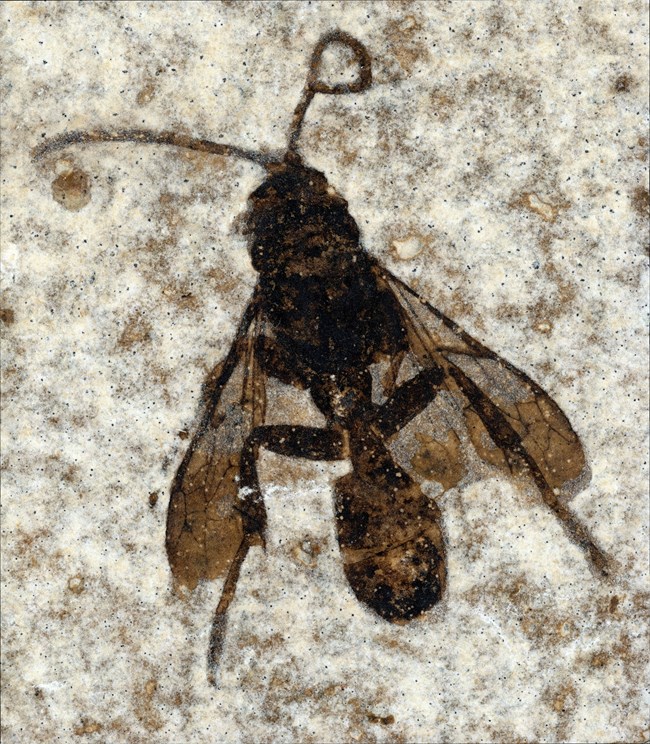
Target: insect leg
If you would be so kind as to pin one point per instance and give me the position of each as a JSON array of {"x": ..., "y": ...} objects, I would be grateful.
[
  {"x": 294, "y": 441},
  {"x": 407, "y": 400},
  {"x": 309, "y": 442},
  {"x": 218, "y": 630}
]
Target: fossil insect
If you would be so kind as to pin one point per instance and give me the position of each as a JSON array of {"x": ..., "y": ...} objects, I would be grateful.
[{"x": 327, "y": 318}]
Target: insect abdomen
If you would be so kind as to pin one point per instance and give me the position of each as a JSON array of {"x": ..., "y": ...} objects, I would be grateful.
[{"x": 392, "y": 546}]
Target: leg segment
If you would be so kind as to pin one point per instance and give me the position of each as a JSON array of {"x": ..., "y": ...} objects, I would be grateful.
[
  {"x": 409, "y": 399},
  {"x": 293, "y": 441},
  {"x": 308, "y": 442},
  {"x": 218, "y": 631}
]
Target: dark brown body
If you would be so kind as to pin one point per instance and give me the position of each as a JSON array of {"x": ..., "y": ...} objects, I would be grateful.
[{"x": 329, "y": 317}]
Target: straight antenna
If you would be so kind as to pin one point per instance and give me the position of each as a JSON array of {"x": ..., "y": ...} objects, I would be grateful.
[{"x": 147, "y": 136}]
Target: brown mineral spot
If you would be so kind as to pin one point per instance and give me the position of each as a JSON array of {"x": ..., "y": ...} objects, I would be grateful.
[
  {"x": 641, "y": 201},
  {"x": 338, "y": 138},
  {"x": 71, "y": 189},
  {"x": 510, "y": 311},
  {"x": 559, "y": 302},
  {"x": 180, "y": 296},
  {"x": 540, "y": 625},
  {"x": 613, "y": 604},
  {"x": 641, "y": 601},
  {"x": 349, "y": 156},
  {"x": 393, "y": 642},
  {"x": 7, "y": 315},
  {"x": 145, "y": 710},
  {"x": 564, "y": 698},
  {"x": 439, "y": 461},
  {"x": 599, "y": 659},
  {"x": 499, "y": 734},
  {"x": 87, "y": 727},
  {"x": 252, "y": 640},
  {"x": 461, "y": 307},
  {"x": 564, "y": 628},
  {"x": 442, "y": 103},
  {"x": 70, "y": 474},
  {"x": 76, "y": 584},
  {"x": 491, "y": 88},
  {"x": 404, "y": 38},
  {"x": 225, "y": 280},
  {"x": 199, "y": 164},
  {"x": 160, "y": 376},
  {"x": 496, "y": 23},
  {"x": 136, "y": 331},
  {"x": 481, "y": 170},
  {"x": 623, "y": 647},
  {"x": 169, "y": 206},
  {"x": 153, "y": 498},
  {"x": 516, "y": 588},
  {"x": 145, "y": 94},
  {"x": 531, "y": 201},
  {"x": 623, "y": 83},
  {"x": 384, "y": 720},
  {"x": 158, "y": 248},
  {"x": 31, "y": 549}
]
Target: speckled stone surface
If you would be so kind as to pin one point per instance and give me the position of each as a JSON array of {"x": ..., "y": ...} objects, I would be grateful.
[{"x": 499, "y": 165}]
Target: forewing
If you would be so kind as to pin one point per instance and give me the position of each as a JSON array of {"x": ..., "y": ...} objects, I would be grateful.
[
  {"x": 510, "y": 421},
  {"x": 205, "y": 526}
]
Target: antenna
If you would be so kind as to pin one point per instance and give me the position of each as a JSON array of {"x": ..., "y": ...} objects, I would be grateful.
[
  {"x": 147, "y": 136},
  {"x": 175, "y": 139},
  {"x": 314, "y": 85}
]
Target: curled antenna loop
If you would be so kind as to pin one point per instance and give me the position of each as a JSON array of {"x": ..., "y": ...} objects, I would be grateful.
[{"x": 313, "y": 85}]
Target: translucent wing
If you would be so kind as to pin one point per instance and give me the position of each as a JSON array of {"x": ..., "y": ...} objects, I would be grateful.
[
  {"x": 207, "y": 524},
  {"x": 507, "y": 417}
]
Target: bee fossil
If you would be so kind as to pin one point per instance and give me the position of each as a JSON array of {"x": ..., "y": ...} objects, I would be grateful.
[{"x": 325, "y": 316}]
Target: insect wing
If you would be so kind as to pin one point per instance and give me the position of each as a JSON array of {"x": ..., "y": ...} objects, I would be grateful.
[
  {"x": 511, "y": 422},
  {"x": 205, "y": 523}
]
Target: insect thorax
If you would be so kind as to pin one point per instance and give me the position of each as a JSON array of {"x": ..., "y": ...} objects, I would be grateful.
[
  {"x": 318, "y": 289},
  {"x": 297, "y": 221}
]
